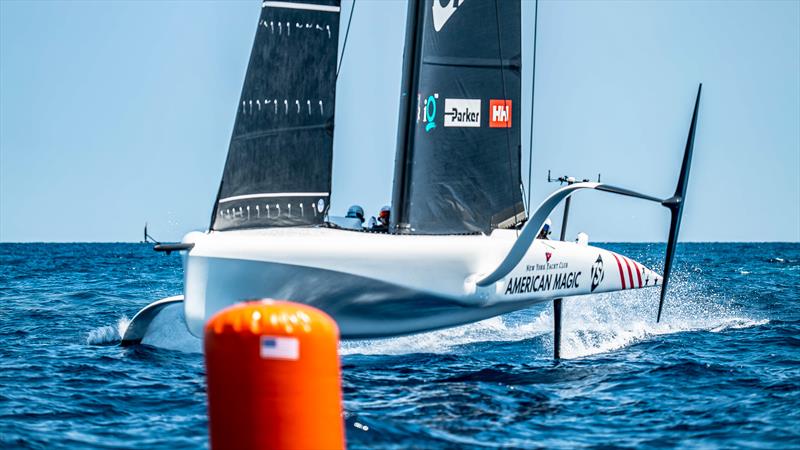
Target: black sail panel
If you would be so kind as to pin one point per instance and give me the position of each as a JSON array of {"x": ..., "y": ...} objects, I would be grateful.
[
  {"x": 458, "y": 165},
  {"x": 278, "y": 170}
]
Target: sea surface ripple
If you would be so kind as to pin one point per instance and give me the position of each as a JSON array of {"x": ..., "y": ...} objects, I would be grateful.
[{"x": 722, "y": 370}]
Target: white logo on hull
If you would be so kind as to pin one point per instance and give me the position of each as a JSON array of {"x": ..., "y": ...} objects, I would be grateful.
[{"x": 441, "y": 14}]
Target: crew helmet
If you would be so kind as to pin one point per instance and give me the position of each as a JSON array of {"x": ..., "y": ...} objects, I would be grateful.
[
  {"x": 384, "y": 214},
  {"x": 356, "y": 212}
]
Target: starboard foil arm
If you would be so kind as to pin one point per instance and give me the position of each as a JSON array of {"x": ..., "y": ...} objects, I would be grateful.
[
  {"x": 674, "y": 204},
  {"x": 536, "y": 222}
]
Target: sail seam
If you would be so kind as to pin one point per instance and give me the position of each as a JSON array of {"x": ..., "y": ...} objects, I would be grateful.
[
  {"x": 305, "y": 6},
  {"x": 489, "y": 63},
  {"x": 274, "y": 194},
  {"x": 259, "y": 134}
]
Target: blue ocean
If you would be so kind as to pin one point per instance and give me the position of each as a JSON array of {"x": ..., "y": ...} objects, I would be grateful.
[{"x": 722, "y": 370}]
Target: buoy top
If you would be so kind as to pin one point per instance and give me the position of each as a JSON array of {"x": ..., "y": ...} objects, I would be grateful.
[
  {"x": 274, "y": 377},
  {"x": 274, "y": 317}
]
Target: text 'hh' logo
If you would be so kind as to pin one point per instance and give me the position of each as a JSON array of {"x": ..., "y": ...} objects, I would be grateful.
[
  {"x": 500, "y": 113},
  {"x": 441, "y": 14}
]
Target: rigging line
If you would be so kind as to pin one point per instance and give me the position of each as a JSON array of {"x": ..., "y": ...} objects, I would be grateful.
[
  {"x": 505, "y": 100},
  {"x": 533, "y": 108},
  {"x": 346, "y": 33}
]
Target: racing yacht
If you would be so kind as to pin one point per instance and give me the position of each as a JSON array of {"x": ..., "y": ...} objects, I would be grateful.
[{"x": 461, "y": 246}]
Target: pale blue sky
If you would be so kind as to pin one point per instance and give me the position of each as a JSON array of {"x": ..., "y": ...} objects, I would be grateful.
[{"x": 117, "y": 113}]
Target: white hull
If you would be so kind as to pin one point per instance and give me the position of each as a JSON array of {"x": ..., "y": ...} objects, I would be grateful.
[{"x": 377, "y": 285}]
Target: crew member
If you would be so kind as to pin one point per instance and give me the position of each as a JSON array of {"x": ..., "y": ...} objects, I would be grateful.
[
  {"x": 545, "y": 233},
  {"x": 354, "y": 220},
  {"x": 382, "y": 224},
  {"x": 356, "y": 212}
]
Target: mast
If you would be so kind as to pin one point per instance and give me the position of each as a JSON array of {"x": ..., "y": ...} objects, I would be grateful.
[
  {"x": 414, "y": 16},
  {"x": 457, "y": 169}
]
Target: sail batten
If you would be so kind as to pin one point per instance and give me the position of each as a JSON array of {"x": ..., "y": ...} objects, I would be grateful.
[
  {"x": 274, "y": 195},
  {"x": 278, "y": 169},
  {"x": 458, "y": 160},
  {"x": 298, "y": 5},
  {"x": 489, "y": 63}
]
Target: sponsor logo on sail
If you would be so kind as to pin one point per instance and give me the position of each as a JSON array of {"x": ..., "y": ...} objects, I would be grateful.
[
  {"x": 548, "y": 255},
  {"x": 428, "y": 112},
  {"x": 461, "y": 112},
  {"x": 597, "y": 272},
  {"x": 499, "y": 113},
  {"x": 443, "y": 12}
]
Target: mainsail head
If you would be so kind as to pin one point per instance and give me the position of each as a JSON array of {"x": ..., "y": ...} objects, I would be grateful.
[
  {"x": 278, "y": 170},
  {"x": 457, "y": 168}
]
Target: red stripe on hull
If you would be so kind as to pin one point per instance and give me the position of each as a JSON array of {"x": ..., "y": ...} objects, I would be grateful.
[
  {"x": 621, "y": 275},
  {"x": 630, "y": 274}
]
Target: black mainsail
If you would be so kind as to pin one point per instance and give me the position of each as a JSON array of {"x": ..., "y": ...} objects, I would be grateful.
[
  {"x": 457, "y": 168},
  {"x": 278, "y": 169}
]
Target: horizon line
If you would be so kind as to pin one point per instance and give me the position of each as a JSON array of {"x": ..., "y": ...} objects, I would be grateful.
[{"x": 598, "y": 242}]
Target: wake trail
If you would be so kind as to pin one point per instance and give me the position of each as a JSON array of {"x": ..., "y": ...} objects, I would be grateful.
[
  {"x": 591, "y": 325},
  {"x": 496, "y": 329}
]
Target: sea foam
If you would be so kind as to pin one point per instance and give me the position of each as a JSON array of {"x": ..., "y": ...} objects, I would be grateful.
[
  {"x": 591, "y": 324},
  {"x": 108, "y": 334}
]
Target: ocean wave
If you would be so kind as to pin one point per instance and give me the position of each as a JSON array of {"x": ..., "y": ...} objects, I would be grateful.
[
  {"x": 496, "y": 329},
  {"x": 591, "y": 325}
]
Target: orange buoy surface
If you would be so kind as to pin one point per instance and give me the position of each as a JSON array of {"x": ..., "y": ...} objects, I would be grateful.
[{"x": 273, "y": 377}]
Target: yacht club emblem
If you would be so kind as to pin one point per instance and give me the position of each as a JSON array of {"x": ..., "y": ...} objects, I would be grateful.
[{"x": 597, "y": 272}]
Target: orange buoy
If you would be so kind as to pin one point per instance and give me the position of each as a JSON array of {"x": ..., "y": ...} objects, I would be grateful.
[{"x": 273, "y": 377}]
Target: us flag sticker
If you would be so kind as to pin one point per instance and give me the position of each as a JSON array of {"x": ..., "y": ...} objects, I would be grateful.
[
  {"x": 280, "y": 347},
  {"x": 499, "y": 113}
]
